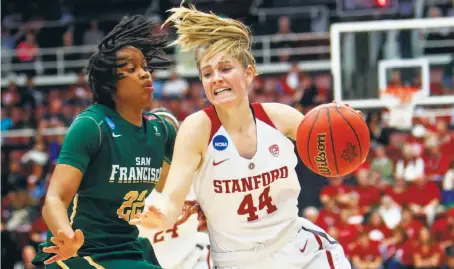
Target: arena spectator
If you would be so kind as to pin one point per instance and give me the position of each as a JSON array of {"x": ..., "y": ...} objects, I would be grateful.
[
  {"x": 450, "y": 257},
  {"x": 378, "y": 132},
  {"x": 390, "y": 212},
  {"x": 375, "y": 228},
  {"x": 367, "y": 194},
  {"x": 27, "y": 52},
  {"x": 10, "y": 96},
  {"x": 448, "y": 187},
  {"x": 424, "y": 198},
  {"x": 68, "y": 52},
  {"x": 93, "y": 36},
  {"x": 443, "y": 229},
  {"x": 436, "y": 162},
  {"x": 366, "y": 254},
  {"x": 347, "y": 232},
  {"x": 291, "y": 82},
  {"x": 411, "y": 166},
  {"x": 444, "y": 137},
  {"x": 391, "y": 248},
  {"x": 329, "y": 214},
  {"x": 427, "y": 253},
  {"x": 281, "y": 40},
  {"x": 409, "y": 224},
  {"x": 175, "y": 87},
  {"x": 382, "y": 164},
  {"x": 336, "y": 191}
]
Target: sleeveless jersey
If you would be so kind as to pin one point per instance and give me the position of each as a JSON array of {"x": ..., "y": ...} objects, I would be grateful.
[
  {"x": 173, "y": 245},
  {"x": 121, "y": 169},
  {"x": 247, "y": 201}
]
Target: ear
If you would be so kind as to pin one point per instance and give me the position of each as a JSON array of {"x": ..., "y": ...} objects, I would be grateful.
[{"x": 250, "y": 74}]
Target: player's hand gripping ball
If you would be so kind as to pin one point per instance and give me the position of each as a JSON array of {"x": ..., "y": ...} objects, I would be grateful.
[{"x": 333, "y": 140}]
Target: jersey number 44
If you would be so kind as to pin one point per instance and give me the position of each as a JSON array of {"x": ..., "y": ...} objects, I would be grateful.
[{"x": 247, "y": 206}]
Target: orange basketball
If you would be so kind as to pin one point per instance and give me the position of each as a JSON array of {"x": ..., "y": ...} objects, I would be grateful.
[{"x": 333, "y": 140}]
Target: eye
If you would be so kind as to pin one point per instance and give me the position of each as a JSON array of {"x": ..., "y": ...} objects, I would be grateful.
[
  {"x": 131, "y": 70},
  {"x": 226, "y": 69},
  {"x": 148, "y": 69},
  {"x": 206, "y": 75}
]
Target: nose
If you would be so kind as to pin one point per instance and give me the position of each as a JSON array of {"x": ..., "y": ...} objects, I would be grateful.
[
  {"x": 217, "y": 77},
  {"x": 145, "y": 74}
]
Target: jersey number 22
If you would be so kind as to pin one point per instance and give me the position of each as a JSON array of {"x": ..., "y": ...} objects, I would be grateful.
[
  {"x": 247, "y": 205},
  {"x": 132, "y": 205}
]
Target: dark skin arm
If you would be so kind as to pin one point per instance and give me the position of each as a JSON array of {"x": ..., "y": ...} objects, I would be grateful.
[{"x": 63, "y": 186}]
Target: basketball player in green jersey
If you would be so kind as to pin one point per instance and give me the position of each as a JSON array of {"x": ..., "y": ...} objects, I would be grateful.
[{"x": 111, "y": 159}]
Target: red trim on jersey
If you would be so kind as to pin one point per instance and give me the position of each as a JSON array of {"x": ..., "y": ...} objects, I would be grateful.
[
  {"x": 319, "y": 241},
  {"x": 215, "y": 122},
  {"x": 261, "y": 114},
  {"x": 330, "y": 259},
  {"x": 209, "y": 258}
]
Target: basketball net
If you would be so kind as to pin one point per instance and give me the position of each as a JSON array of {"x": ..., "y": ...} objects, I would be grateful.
[{"x": 401, "y": 102}]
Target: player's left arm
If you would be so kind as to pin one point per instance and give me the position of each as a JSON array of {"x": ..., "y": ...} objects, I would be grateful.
[
  {"x": 286, "y": 118},
  {"x": 168, "y": 152}
]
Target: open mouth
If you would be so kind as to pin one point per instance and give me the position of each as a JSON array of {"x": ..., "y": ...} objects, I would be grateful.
[{"x": 221, "y": 90}]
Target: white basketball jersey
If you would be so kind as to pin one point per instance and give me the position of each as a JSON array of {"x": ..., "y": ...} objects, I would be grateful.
[
  {"x": 247, "y": 201},
  {"x": 173, "y": 245}
]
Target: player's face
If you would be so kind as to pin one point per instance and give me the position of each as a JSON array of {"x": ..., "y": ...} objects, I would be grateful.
[
  {"x": 134, "y": 82},
  {"x": 225, "y": 80}
]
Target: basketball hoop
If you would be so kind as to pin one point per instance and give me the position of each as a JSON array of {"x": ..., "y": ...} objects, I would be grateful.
[{"x": 401, "y": 102}]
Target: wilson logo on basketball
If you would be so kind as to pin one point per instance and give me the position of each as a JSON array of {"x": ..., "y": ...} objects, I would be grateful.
[
  {"x": 320, "y": 158},
  {"x": 274, "y": 150}
]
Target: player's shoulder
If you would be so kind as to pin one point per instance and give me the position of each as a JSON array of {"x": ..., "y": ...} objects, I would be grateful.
[
  {"x": 199, "y": 122},
  {"x": 273, "y": 108},
  {"x": 196, "y": 127},
  {"x": 89, "y": 116},
  {"x": 95, "y": 113},
  {"x": 278, "y": 112},
  {"x": 286, "y": 118}
]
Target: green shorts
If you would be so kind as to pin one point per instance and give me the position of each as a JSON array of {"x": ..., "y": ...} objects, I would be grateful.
[{"x": 89, "y": 263}]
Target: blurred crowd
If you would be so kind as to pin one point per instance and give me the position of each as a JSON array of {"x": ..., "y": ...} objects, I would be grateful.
[{"x": 395, "y": 211}]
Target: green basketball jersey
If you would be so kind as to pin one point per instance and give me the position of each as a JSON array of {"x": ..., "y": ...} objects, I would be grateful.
[{"x": 121, "y": 163}]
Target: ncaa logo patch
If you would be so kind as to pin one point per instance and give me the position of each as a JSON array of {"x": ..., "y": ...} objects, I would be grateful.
[
  {"x": 220, "y": 142},
  {"x": 110, "y": 123}
]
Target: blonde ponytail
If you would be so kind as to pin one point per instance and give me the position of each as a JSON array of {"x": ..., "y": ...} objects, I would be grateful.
[{"x": 209, "y": 34}]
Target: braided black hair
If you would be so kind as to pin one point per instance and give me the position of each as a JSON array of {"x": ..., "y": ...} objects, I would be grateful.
[{"x": 132, "y": 31}]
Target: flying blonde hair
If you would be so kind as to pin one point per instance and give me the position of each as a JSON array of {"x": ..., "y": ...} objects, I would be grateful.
[{"x": 209, "y": 34}]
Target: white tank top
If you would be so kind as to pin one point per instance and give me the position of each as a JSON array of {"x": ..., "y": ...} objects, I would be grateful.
[
  {"x": 247, "y": 201},
  {"x": 173, "y": 245}
]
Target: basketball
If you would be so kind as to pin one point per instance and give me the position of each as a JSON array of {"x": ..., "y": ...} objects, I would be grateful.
[{"x": 333, "y": 140}]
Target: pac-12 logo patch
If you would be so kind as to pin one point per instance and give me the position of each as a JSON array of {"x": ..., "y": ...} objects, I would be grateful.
[
  {"x": 274, "y": 150},
  {"x": 220, "y": 142}
]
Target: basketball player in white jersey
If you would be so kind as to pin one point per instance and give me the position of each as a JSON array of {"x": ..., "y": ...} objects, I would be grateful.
[
  {"x": 239, "y": 160},
  {"x": 181, "y": 246}
]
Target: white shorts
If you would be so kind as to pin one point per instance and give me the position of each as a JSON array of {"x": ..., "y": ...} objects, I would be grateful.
[
  {"x": 198, "y": 258},
  {"x": 311, "y": 248}
]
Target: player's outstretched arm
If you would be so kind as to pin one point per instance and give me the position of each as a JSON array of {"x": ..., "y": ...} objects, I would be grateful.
[
  {"x": 81, "y": 143},
  {"x": 63, "y": 185},
  {"x": 192, "y": 139},
  {"x": 286, "y": 118}
]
